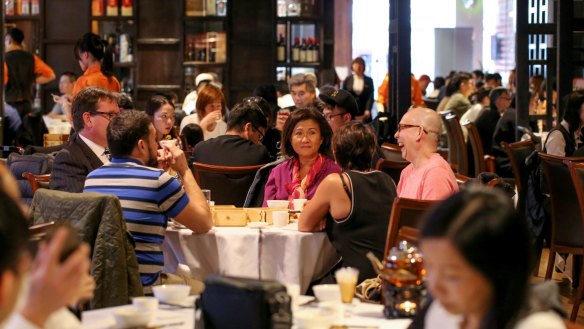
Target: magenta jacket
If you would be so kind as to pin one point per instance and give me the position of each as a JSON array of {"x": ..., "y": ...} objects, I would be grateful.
[{"x": 282, "y": 174}]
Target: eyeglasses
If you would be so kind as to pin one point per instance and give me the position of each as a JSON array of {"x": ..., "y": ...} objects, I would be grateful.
[
  {"x": 329, "y": 117},
  {"x": 109, "y": 115},
  {"x": 403, "y": 126},
  {"x": 259, "y": 131}
]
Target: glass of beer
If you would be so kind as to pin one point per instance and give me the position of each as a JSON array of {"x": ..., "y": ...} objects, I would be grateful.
[{"x": 347, "y": 280}]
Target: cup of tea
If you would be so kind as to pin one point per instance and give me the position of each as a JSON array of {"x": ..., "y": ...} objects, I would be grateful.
[
  {"x": 280, "y": 218},
  {"x": 299, "y": 204}
]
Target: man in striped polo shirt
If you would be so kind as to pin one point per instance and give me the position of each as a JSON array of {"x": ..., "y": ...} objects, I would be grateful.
[{"x": 149, "y": 195}]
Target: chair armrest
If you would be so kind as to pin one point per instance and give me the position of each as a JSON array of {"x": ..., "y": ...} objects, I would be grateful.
[{"x": 489, "y": 163}]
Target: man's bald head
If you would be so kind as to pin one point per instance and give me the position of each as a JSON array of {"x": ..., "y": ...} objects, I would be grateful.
[{"x": 427, "y": 118}]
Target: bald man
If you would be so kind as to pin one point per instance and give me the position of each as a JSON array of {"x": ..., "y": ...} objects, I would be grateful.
[{"x": 428, "y": 176}]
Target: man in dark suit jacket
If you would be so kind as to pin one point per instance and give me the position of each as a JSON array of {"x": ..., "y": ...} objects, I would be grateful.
[
  {"x": 361, "y": 87},
  {"x": 487, "y": 121},
  {"x": 92, "y": 110},
  {"x": 241, "y": 145}
]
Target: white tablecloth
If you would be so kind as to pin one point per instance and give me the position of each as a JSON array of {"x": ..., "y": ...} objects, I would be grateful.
[{"x": 286, "y": 255}]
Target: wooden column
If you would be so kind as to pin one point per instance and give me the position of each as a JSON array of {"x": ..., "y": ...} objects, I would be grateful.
[
  {"x": 2, "y": 77},
  {"x": 344, "y": 33},
  {"x": 399, "y": 57},
  {"x": 522, "y": 64},
  {"x": 564, "y": 65}
]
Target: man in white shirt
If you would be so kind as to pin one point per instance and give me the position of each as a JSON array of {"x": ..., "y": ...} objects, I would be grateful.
[{"x": 92, "y": 111}]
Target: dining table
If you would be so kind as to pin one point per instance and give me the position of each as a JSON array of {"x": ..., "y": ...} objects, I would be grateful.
[
  {"x": 363, "y": 315},
  {"x": 260, "y": 252}
]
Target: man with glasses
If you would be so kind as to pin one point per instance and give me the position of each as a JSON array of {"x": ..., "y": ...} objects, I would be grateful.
[
  {"x": 428, "y": 176},
  {"x": 242, "y": 143},
  {"x": 340, "y": 108},
  {"x": 92, "y": 110}
]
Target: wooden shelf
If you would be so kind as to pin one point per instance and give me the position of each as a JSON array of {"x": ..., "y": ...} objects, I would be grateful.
[
  {"x": 198, "y": 63},
  {"x": 158, "y": 87},
  {"x": 113, "y": 18},
  {"x": 298, "y": 19},
  {"x": 158, "y": 41},
  {"x": 299, "y": 64},
  {"x": 204, "y": 18},
  {"x": 22, "y": 18}
]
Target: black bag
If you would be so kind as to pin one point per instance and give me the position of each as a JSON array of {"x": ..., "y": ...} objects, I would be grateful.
[
  {"x": 229, "y": 302},
  {"x": 537, "y": 203}
]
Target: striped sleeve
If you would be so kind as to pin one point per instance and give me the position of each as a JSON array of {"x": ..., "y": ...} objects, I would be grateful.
[{"x": 173, "y": 198}]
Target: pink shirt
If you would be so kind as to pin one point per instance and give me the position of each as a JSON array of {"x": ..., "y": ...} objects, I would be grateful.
[{"x": 432, "y": 181}]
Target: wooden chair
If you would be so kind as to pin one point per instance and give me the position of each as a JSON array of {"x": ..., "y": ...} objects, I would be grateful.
[
  {"x": 410, "y": 234},
  {"x": 392, "y": 168},
  {"x": 392, "y": 152},
  {"x": 517, "y": 153},
  {"x": 37, "y": 181},
  {"x": 457, "y": 152},
  {"x": 405, "y": 213},
  {"x": 461, "y": 179},
  {"x": 567, "y": 221},
  {"x": 55, "y": 139},
  {"x": 228, "y": 185},
  {"x": 482, "y": 162},
  {"x": 577, "y": 174}
]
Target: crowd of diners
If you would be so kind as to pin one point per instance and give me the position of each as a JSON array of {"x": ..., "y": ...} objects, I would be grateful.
[{"x": 320, "y": 147}]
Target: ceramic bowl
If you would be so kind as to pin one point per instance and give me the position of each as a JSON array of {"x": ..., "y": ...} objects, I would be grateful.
[
  {"x": 314, "y": 319},
  {"x": 171, "y": 293},
  {"x": 131, "y": 317},
  {"x": 281, "y": 204},
  {"x": 327, "y": 292}
]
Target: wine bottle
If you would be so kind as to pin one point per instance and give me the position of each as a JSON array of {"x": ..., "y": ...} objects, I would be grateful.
[
  {"x": 316, "y": 50},
  {"x": 309, "y": 51},
  {"x": 281, "y": 49},
  {"x": 221, "y": 8},
  {"x": 303, "y": 51},
  {"x": 97, "y": 7},
  {"x": 25, "y": 7},
  {"x": 126, "y": 7},
  {"x": 296, "y": 50},
  {"x": 293, "y": 8},
  {"x": 281, "y": 8},
  {"x": 9, "y": 7},
  {"x": 190, "y": 52},
  {"x": 112, "y": 8},
  {"x": 35, "y": 7}
]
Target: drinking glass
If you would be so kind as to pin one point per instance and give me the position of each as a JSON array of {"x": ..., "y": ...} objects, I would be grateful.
[
  {"x": 207, "y": 194},
  {"x": 347, "y": 280}
]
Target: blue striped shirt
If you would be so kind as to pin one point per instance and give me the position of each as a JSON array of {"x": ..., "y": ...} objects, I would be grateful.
[{"x": 148, "y": 196}]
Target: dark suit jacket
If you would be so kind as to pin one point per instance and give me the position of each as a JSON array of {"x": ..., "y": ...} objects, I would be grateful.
[
  {"x": 71, "y": 166},
  {"x": 365, "y": 100},
  {"x": 230, "y": 150},
  {"x": 486, "y": 123}
]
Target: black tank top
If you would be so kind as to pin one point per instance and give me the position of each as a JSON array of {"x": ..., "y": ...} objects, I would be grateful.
[
  {"x": 21, "y": 76},
  {"x": 365, "y": 229}
]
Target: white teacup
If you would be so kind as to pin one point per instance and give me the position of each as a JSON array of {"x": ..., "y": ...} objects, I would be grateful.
[
  {"x": 299, "y": 204},
  {"x": 280, "y": 218},
  {"x": 148, "y": 305}
]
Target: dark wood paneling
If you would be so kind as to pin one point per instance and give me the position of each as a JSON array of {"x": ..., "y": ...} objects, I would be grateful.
[
  {"x": 66, "y": 18},
  {"x": 160, "y": 19},
  {"x": 343, "y": 45}
]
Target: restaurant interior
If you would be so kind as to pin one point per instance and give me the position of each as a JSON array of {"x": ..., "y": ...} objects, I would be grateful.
[{"x": 264, "y": 236}]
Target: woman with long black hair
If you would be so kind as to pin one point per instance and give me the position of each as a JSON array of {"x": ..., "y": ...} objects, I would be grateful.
[{"x": 96, "y": 59}]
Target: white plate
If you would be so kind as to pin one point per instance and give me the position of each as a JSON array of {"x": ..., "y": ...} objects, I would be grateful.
[{"x": 257, "y": 225}]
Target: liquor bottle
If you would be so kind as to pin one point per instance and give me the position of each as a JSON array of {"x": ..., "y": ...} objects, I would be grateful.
[
  {"x": 9, "y": 7},
  {"x": 35, "y": 8},
  {"x": 126, "y": 7},
  {"x": 293, "y": 8},
  {"x": 112, "y": 8},
  {"x": 190, "y": 52},
  {"x": 130, "y": 50},
  {"x": 97, "y": 7},
  {"x": 303, "y": 51},
  {"x": 281, "y": 8},
  {"x": 310, "y": 51},
  {"x": 281, "y": 49},
  {"x": 18, "y": 8},
  {"x": 296, "y": 50},
  {"x": 221, "y": 8},
  {"x": 25, "y": 10},
  {"x": 316, "y": 54},
  {"x": 307, "y": 8},
  {"x": 124, "y": 45}
]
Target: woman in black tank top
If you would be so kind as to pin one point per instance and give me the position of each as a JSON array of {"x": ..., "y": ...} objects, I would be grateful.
[{"x": 353, "y": 207}]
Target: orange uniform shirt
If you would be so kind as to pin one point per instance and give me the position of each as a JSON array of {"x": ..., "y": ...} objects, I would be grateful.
[
  {"x": 40, "y": 68},
  {"x": 94, "y": 78},
  {"x": 416, "y": 92}
]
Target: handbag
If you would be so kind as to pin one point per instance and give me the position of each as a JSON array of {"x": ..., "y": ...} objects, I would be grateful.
[{"x": 230, "y": 302}]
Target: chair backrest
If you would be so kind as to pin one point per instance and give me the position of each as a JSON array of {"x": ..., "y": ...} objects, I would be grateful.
[
  {"x": 37, "y": 181},
  {"x": 567, "y": 228},
  {"x": 99, "y": 220},
  {"x": 478, "y": 154},
  {"x": 408, "y": 233},
  {"x": 517, "y": 153},
  {"x": 457, "y": 152},
  {"x": 55, "y": 139},
  {"x": 392, "y": 168},
  {"x": 392, "y": 152},
  {"x": 35, "y": 164},
  {"x": 228, "y": 185},
  {"x": 461, "y": 179},
  {"x": 405, "y": 212},
  {"x": 577, "y": 173}
]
